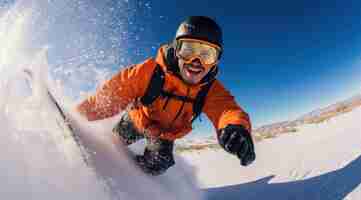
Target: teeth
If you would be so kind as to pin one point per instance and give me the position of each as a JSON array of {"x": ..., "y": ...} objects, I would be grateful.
[{"x": 194, "y": 69}]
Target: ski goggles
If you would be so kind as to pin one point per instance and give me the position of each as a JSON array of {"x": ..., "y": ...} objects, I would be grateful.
[{"x": 190, "y": 49}]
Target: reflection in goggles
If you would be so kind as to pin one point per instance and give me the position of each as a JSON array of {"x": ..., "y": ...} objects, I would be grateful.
[{"x": 191, "y": 49}]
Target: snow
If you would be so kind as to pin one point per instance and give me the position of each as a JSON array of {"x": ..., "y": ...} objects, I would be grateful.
[
  {"x": 320, "y": 161},
  {"x": 39, "y": 157}
]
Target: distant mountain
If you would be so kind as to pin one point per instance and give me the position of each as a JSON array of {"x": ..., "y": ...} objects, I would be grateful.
[
  {"x": 351, "y": 102},
  {"x": 316, "y": 116},
  {"x": 275, "y": 129}
]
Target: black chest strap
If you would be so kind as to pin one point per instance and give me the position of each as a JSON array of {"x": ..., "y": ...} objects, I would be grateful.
[
  {"x": 200, "y": 100},
  {"x": 155, "y": 90},
  {"x": 155, "y": 87}
]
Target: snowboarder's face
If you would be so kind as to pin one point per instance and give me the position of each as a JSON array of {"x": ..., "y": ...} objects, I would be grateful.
[
  {"x": 195, "y": 59},
  {"x": 193, "y": 72}
]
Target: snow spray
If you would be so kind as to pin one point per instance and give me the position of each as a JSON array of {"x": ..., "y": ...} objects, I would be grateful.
[{"x": 38, "y": 160}]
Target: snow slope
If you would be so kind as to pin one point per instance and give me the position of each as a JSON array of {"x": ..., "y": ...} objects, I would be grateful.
[{"x": 321, "y": 161}]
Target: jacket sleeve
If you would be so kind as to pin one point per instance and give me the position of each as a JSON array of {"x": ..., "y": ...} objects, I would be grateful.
[
  {"x": 118, "y": 92},
  {"x": 221, "y": 108}
]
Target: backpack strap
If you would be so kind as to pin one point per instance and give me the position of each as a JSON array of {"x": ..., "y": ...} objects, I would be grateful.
[
  {"x": 155, "y": 90},
  {"x": 180, "y": 98},
  {"x": 155, "y": 87},
  {"x": 200, "y": 100}
]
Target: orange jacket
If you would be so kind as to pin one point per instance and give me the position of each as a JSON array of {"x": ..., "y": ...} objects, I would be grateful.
[{"x": 126, "y": 87}]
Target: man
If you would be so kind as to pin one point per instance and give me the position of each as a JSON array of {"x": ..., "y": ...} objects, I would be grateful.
[{"x": 162, "y": 96}]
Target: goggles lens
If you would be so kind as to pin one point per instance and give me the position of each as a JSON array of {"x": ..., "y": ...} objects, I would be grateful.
[{"x": 191, "y": 49}]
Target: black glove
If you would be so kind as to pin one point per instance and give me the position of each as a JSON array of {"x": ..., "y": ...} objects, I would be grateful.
[
  {"x": 236, "y": 140},
  {"x": 157, "y": 158}
]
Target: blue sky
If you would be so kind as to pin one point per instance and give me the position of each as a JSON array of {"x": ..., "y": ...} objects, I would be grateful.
[
  {"x": 295, "y": 59},
  {"x": 281, "y": 58}
]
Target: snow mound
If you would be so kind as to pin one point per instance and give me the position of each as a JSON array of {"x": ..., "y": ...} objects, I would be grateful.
[{"x": 320, "y": 161}]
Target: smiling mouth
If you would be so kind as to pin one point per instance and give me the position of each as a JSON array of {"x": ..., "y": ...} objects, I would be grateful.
[{"x": 194, "y": 70}]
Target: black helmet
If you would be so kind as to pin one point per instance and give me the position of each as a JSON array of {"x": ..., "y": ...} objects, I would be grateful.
[{"x": 202, "y": 28}]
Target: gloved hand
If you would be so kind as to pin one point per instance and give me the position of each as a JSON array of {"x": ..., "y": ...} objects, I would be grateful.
[
  {"x": 236, "y": 140},
  {"x": 157, "y": 158}
]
